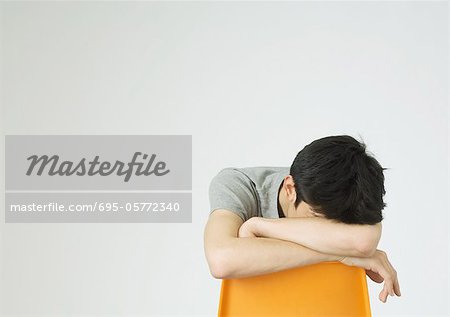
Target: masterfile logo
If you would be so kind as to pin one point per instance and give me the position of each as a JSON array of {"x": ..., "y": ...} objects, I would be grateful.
[
  {"x": 91, "y": 168},
  {"x": 98, "y": 178},
  {"x": 98, "y": 162}
]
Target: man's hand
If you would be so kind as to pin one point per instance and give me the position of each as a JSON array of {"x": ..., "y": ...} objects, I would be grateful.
[{"x": 379, "y": 269}]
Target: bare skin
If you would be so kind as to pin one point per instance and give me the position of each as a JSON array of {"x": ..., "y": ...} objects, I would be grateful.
[{"x": 235, "y": 248}]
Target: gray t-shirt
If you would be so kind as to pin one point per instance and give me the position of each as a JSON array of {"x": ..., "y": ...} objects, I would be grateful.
[{"x": 249, "y": 191}]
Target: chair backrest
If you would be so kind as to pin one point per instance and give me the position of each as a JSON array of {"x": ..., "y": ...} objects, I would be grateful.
[{"x": 322, "y": 289}]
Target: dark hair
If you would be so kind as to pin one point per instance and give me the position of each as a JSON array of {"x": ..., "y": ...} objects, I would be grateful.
[{"x": 339, "y": 179}]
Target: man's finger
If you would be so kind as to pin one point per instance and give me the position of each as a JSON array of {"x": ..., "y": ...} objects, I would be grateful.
[
  {"x": 393, "y": 280},
  {"x": 388, "y": 281},
  {"x": 383, "y": 294},
  {"x": 374, "y": 276},
  {"x": 397, "y": 287}
]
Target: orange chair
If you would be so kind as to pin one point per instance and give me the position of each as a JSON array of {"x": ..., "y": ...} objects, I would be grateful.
[{"x": 322, "y": 289}]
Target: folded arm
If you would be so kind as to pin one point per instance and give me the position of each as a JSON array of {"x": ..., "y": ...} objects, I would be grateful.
[
  {"x": 320, "y": 234},
  {"x": 231, "y": 257}
]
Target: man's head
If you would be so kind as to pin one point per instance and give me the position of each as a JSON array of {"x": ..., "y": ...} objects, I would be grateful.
[{"x": 335, "y": 178}]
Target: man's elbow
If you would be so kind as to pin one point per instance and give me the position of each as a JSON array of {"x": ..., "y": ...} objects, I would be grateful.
[
  {"x": 368, "y": 246},
  {"x": 219, "y": 264},
  {"x": 367, "y": 250},
  {"x": 218, "y": 271}
]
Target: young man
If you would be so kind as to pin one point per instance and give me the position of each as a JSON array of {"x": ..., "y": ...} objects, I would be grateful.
[{"x": 327, "y": 206}]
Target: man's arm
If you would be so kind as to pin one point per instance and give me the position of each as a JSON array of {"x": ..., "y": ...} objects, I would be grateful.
[
  {"x": 320, "y": 234},
  {"x": 231, "y": 257}
]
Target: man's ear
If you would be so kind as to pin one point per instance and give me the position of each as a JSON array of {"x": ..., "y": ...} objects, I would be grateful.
[{"x": 289, "y": 187}]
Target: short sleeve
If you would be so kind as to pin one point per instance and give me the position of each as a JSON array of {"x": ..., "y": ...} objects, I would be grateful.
[{"x": 232, "y": 190}]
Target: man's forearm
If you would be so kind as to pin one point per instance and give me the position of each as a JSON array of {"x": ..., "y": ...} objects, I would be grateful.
[
  {"x": 322, "y": 235},
  {"x": 246, "y": 257}
]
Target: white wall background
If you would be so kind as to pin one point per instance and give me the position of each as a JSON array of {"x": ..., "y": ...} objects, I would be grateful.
[{"x": 253, "y": 83}]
